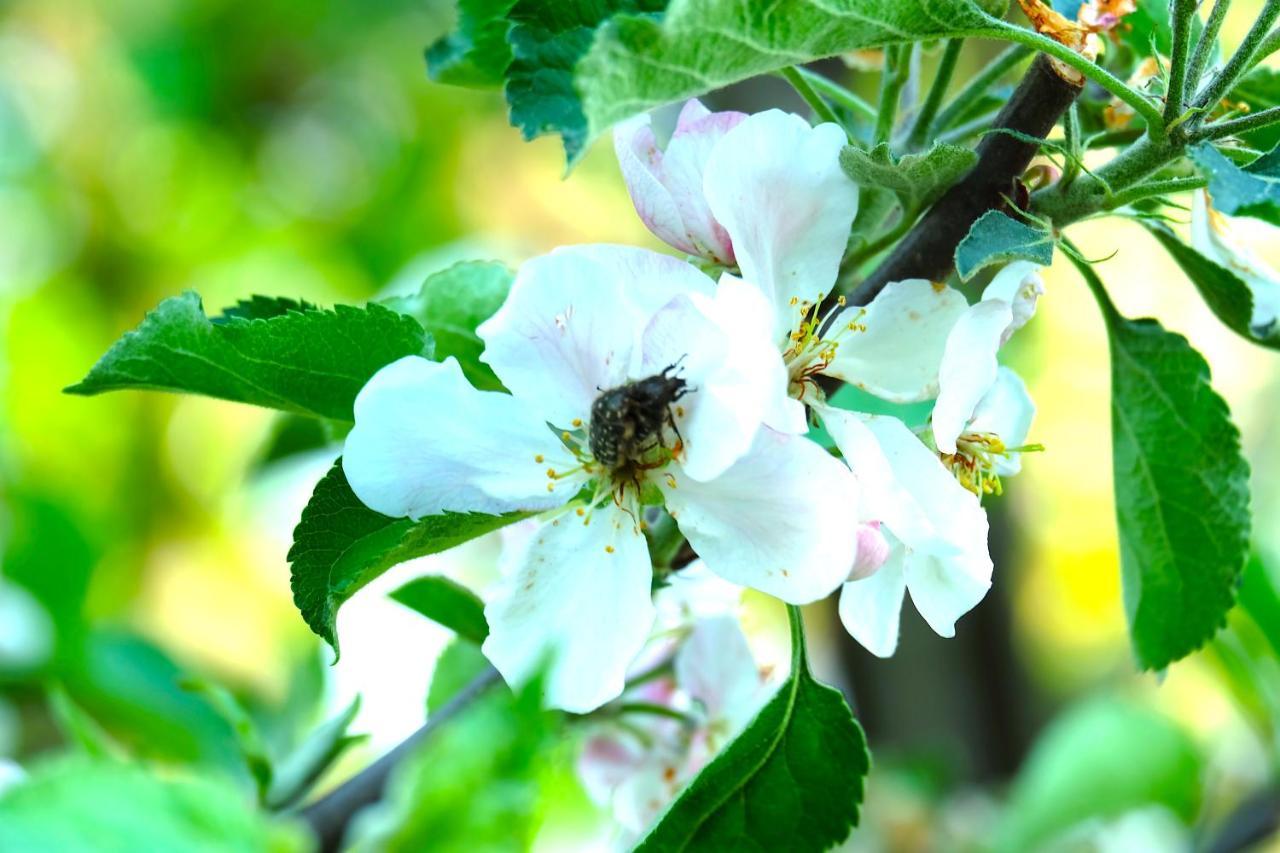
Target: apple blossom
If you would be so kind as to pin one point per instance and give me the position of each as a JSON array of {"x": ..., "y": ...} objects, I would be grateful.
[
  {"x": 1211, "y": 236},
  {"x": 762, "y": 508}
]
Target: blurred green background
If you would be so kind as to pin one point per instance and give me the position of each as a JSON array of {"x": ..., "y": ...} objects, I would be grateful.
[{"x": 153, "y": 146}]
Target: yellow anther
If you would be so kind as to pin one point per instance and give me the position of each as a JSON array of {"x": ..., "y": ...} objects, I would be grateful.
[
  {"x": 842, "y": 301},
  {"x": 795, "y": 300},
  {"x": 577, "y": 422},
  {"x": 551, "y": 487},
  {"x": 608, "y": 549},
  {"x": 538, "y": 458},
  {"x": 566, "y": 436},
  {"x": 551, "y": 472},
  {"x": 581, "y": 512}
]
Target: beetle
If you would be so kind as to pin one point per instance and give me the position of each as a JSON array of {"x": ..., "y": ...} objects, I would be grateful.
[{"x": 627, "y": 421}]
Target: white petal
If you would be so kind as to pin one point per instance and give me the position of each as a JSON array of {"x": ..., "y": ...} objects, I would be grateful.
[
  {"x": 1007, "y": 411},
  {"x": 776, "y": 186},
  {"x": 944, "y": 587},
  {"x": 871, "y": 608},
  {"x": 715, "y": 666},
  {"x": 1211, "y": 236},
  {"x": 779, "y": 520},
  {"x": 968, "y": 368},
  {"x": 695, "y": 592},
  {"x": 735, "y": 374},
  {"x": 571, "y": 325},
  {"x": 1020, "y": 285},
  {"x": 579, "y": 605},
  {"x": 640, "y": 161},
  {"x": 898, "y": 355},
  {"x": 426, "y": 442}
]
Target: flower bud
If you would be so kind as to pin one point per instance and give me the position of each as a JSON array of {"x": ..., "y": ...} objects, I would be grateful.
[{"x": 873, "y": 550}]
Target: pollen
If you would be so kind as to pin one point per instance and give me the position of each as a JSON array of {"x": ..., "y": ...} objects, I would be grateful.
[
  {"x": 608, "y": 549},
  {"x": 795, "y": 300},
  {"x": 538, "y": 458},
  {"x": 577, "y": 422},
  {"x": 581, "y": 512},
  {"x": 566, "y": 436},
  {"x": 551, "y": 487},
  {"x": 679, "y": 411}
]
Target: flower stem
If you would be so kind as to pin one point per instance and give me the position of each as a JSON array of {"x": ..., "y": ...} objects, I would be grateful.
[
  {"x": 1239, "y": 63},
  {"x": 820, "y": 107},
  {"x": 978, "y": 86},
  {"x": 923, "y": 124},
  {"x": 655, "y": 710},
  {"x": 799, "y": 657},
  {"x": 892, "y": 81},
  {"x": 831, "y": 90},
  {"x": 1204, "y": 47},
  {"x": 1153, "y": 189},
  {"x": 1236, "y": 126},
  {"x": 1181, "y": 12}
]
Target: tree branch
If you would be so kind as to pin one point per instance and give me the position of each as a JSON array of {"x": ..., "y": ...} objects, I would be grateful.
[
  {"x": 928, "y": 251},
  {"x": 330, "y": 815}
]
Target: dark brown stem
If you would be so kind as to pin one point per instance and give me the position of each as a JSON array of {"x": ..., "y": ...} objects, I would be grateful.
[
  {"x": 330, "y": 815},
  {"x": 928, "y": 250}
]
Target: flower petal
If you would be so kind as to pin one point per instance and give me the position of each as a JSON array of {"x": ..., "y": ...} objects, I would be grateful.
[
  {"x": 735, "y": 374},
  {"x": 715, "y": 666},
  {"x": 571, "y": 325},
  {"x": 579, "y": 604},
  {"x": 944, "y": 587},
  {"x": 666, "y": 186},
  {"x": 1211, "y": 236},
  {"x": 778, "y": 520},
  {"x": 897, "y": 347},
  {"x": 776, "y": 186},
  {"x": 426, "y": 442},
  {"x": 968, "y": 368},
  {"x": 871, "y": 608},
  {"x": 1007, "y": 411},
  {"x": 1020, "y": 285}
]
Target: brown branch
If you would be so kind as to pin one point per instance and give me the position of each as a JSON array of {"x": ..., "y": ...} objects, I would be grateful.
[{"x": 928, "y": 250}]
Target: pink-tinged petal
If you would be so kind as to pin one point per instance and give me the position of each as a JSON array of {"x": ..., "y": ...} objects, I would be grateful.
[
  {"x": 715, "y": 666},
  {"x": 1007, "y": 411},
  {"x": 873, "y": 550},
  {"x": 778, "y": 520},
  {"x": 894, "y": 347},
  {"x": 641, "y": 160},
  {"x": 734, "y": 373},
  {"x": 571, "y": 326},
  {"x": 871, "y": 608},
  {"x": 606, "y": 761},
  {"x": 579, "y": 605},
  {"x": 426, "y": 442},
  {"x": 968, "y": 368},
  {"x": 776, "y": 186}
]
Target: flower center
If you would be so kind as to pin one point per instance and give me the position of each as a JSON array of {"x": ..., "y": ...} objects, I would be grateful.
[
  {"x": 808, "y": 351},
  {"x": 974, "y": 462}
]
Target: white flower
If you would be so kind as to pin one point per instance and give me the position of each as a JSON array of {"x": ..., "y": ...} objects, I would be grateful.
[
  {"x": 666, "y": 185},
  {"x": 638, "y": 768},
  {"x": 761, "y": 508},
  {"x": 1211, "y": 236},
  {"x": 774, "y": 183}
]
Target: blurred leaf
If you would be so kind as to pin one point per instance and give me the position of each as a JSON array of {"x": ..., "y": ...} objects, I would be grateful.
[
  {"x": 1181, "y": 484},
  {"x": 1260, "y": 598},
  {"x": 313, "y": 362},
  {"x": 252, "y": 749},
  {"x": 459, "y": 664},
  {"x": 1149, "y": 24},
  {"x": 79, "y": 728},
  {"x": 84, "y": 804},
  {"x": 792, "y": 780},
  {"x": 548, "y": 38},
  {"x": 1226, "y": 294},
  {"x": 1249, "y": 191},
  {"x": 340, "y": 545},
  {"x": 1259, "y": 90},
  {"x": 451, "y": 305},
  {"x": 298, "y": 771},
  {"x": 447, "y": 602},
  {"x": 293, "y": 434},
  {"x": 472, "y": 786},
  {"x": 997, "y": 239},
  {"x": 1099, "y": 760},
  {"x": 476, "y": 53},
  {"x": 917, "y": 179},
  {"x": 640, "y": 61}
]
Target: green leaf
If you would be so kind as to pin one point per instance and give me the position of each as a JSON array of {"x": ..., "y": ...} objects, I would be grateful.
[
  {"x": 792, "y": 780},
  {"x": 1099, "y": 760},
  {"x": 997, "y": 239},
  {"x": 85, "y": 804},
  {"x": 80, "y": 728},
  {"x": 258, "y": 307},
  {"x": 447, "y": 602},
  {"x": 340, "y": 545},
  {"x": 1259, "y": 90},
  {"x": 451, "y": 304},
  {"x": 1240, "y": 191},
  {"x": 548, "y": 38},
  {"x": 253, "y": 750},
  {"x": 1260, "y": 598},
  {"x": 310, "y": 361},
  {"x": 298, "y": 771},
  {"x": 475, "y": 54},
  {"x": 473, "y": 785},
  {"x": 1226, "y": 294},
  {"x": 1182, "y": 487},
  {"x": 459, "y": 664},
  {"x": 638, "y": 61},
  {"x": 917, "y": 179}
]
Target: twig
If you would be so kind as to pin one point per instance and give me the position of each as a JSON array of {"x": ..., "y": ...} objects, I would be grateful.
[{"x": 330, "y": 815}]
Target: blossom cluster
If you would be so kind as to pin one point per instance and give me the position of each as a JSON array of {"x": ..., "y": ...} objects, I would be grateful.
[{"x": 641, "y": 383}]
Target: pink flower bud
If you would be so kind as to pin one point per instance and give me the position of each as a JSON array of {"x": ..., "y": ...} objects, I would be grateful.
[{"x": 873, "y": 550}]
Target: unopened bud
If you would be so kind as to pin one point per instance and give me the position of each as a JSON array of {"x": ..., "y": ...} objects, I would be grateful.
[{"x": 873, "y": 550}]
